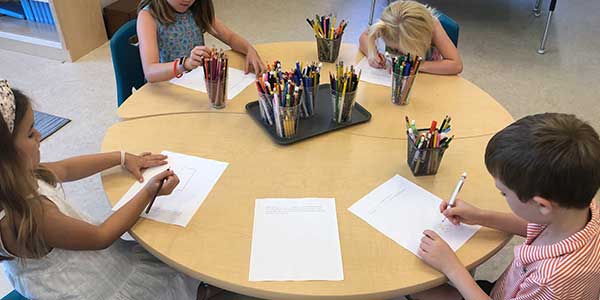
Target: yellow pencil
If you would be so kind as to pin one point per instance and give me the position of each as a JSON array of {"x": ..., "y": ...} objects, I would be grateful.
[
  {"x": 332, "y": 26},
  {"x": 286, "y": 126},
  {"x": 343, "y": 100}
]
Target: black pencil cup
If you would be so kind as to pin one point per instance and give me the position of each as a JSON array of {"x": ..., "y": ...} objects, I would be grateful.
[{"x": 423, "y": 162}]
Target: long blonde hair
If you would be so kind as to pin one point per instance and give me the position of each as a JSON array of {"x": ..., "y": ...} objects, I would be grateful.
[
  {"x": 408, "y": 25},
  {"x": 18, "y": 188}
]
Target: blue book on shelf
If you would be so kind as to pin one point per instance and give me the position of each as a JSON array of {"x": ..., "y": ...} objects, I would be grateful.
[
  {"x": 40, "y": 9},
  {"x": 45, "y": 12},
  {"x": 12, "y": 9},
  {"x": 27, "y": 9},
  {"x": 36, "y": 11},
  {"x": 49, "y": 12}
]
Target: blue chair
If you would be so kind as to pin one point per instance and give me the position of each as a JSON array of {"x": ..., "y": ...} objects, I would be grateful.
[
  {"x": 450, "y": 26},
  {"x": 126, "y": 61},
  {"x": 14, "y": 295}
]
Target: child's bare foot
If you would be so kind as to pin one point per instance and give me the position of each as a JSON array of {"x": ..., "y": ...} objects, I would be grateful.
[{"x": 206, "y": 291}]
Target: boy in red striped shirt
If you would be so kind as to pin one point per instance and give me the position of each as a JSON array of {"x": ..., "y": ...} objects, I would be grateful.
[{"x": 547, "y": 166}]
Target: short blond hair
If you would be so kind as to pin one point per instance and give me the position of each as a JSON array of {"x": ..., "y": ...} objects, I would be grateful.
[{"x": 408, "y": 25}]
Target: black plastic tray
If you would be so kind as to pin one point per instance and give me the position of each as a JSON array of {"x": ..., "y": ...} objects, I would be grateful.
[{"x": 318, "y": 124}]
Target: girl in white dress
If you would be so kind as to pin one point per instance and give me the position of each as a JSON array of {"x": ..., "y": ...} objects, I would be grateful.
[{"x": 48, "y": 250}]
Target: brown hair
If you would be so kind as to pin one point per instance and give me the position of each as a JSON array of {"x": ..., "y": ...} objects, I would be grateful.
[
  {"x": 202, "y": 10},
  {"x": 552, "y": 155},
  {"x": 18, "y": 189}
]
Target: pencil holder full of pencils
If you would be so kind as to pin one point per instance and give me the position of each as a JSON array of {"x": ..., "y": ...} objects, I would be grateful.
[
  {"x": 424, "y": 158},
  {"x": 217, "y": 93},
  {"x": 344, "y": 83},
  {"x": 404, "y": 72},
  {"x": 343, "y": 105},
  {"x": 401, "y": 86},
  {"x": 265, "y": 104},
  {"x": 328, "y": 49},
  {"x": 329, "y": 36},
  {"x": 310, "y": 78},
  {"x": 286, "y": 121},
  {"x": 308, "y": 102},
  {"x": 280, "y": 98},
  {"x": 215, "y": 77}
]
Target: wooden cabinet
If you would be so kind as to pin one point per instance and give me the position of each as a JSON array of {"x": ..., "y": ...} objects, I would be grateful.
[{"x": 119, "y": 13}]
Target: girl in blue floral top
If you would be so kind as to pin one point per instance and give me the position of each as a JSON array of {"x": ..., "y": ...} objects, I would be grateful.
[{"x": 171, "y": 41}]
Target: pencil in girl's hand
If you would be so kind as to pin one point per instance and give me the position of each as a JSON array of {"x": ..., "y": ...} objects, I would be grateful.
[{"x": 160, "y": 185}]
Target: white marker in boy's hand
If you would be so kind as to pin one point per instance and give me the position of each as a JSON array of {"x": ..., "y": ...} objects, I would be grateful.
[{"x": 459, "y": 185}]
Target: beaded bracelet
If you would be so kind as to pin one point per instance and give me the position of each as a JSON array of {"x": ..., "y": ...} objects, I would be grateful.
[{"x": 175, "y": 63}]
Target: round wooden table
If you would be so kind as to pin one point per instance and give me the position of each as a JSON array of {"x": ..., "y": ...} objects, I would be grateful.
[
  {"x": 432, "y": 97},
  {"x": 345, "y": 165}
]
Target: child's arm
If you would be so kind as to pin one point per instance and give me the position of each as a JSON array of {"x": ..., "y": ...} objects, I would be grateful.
[
  {"x": 154, "y": 71},
  {"x": 436, "y": 253},
  {"x": 507, "y": 222},
  {"x": 239, "y": 44},
  {"x": 79, "y": 167},
  {"x": 61, "y": 231},
  {"x": 378, "y": 61},
  {"x": 452, "y": 63},
  {"x": 463, "y": 212}
]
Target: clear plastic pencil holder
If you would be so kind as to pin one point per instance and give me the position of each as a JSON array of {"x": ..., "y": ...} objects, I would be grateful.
[
  {"x": 308, "y": 102},
  {"x": 217, "y": 93},
  {"x": 401, "y": 86},
  {"x": 328, "y": 50},
  {"x": 265, "y": 104},
  {"x": 423, "y": 162},
  {"x": 286, "y": 121},
  {"x": 342, "y": 106}
]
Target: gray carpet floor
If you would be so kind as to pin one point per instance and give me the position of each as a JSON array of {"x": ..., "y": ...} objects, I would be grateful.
[{"x": 498, "y": 39}]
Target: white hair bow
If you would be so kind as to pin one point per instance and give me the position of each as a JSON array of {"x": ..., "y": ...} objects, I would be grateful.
[{"x": 7, "y": 105}]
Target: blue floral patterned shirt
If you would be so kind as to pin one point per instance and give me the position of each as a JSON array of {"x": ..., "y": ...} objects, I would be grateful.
[{"x": 178, "y": 38}]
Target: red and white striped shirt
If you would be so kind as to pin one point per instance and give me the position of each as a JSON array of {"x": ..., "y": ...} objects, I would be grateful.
[{"x": 569, "y": 269}]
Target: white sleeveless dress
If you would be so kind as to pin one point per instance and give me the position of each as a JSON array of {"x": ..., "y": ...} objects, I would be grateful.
[{"x": 123, "y": 271}]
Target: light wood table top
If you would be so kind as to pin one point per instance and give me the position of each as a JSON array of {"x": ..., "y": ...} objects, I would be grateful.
[
  {"x": 473, "y": 111},
  {"x": 215, "y": 246}
]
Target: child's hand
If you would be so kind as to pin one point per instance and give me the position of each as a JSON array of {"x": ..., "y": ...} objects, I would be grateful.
[
  {"x": 253, "y": 60},
  {"x": 135, "y": 164},
  {"x": 168, "y": 186},
  {"x": 462, "y": 212},
  {"x": 196, "y": 55},
  {"x": 436, "y": 253},
  {"x": 377, "y": 62}
]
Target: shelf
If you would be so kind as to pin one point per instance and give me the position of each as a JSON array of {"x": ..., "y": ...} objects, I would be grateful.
[
  {"x": 78, "y": 29},
  {"x": 30, "y": 32}
]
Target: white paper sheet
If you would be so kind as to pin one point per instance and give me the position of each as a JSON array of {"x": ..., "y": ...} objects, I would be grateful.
[
  {"x": 237, "y": 81},
  {"x": 197, "y": 176},
  {"x": 295, "y": 239},
  {"x": 372, "y": 75},
  {"x": 402, "y": 210}
]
